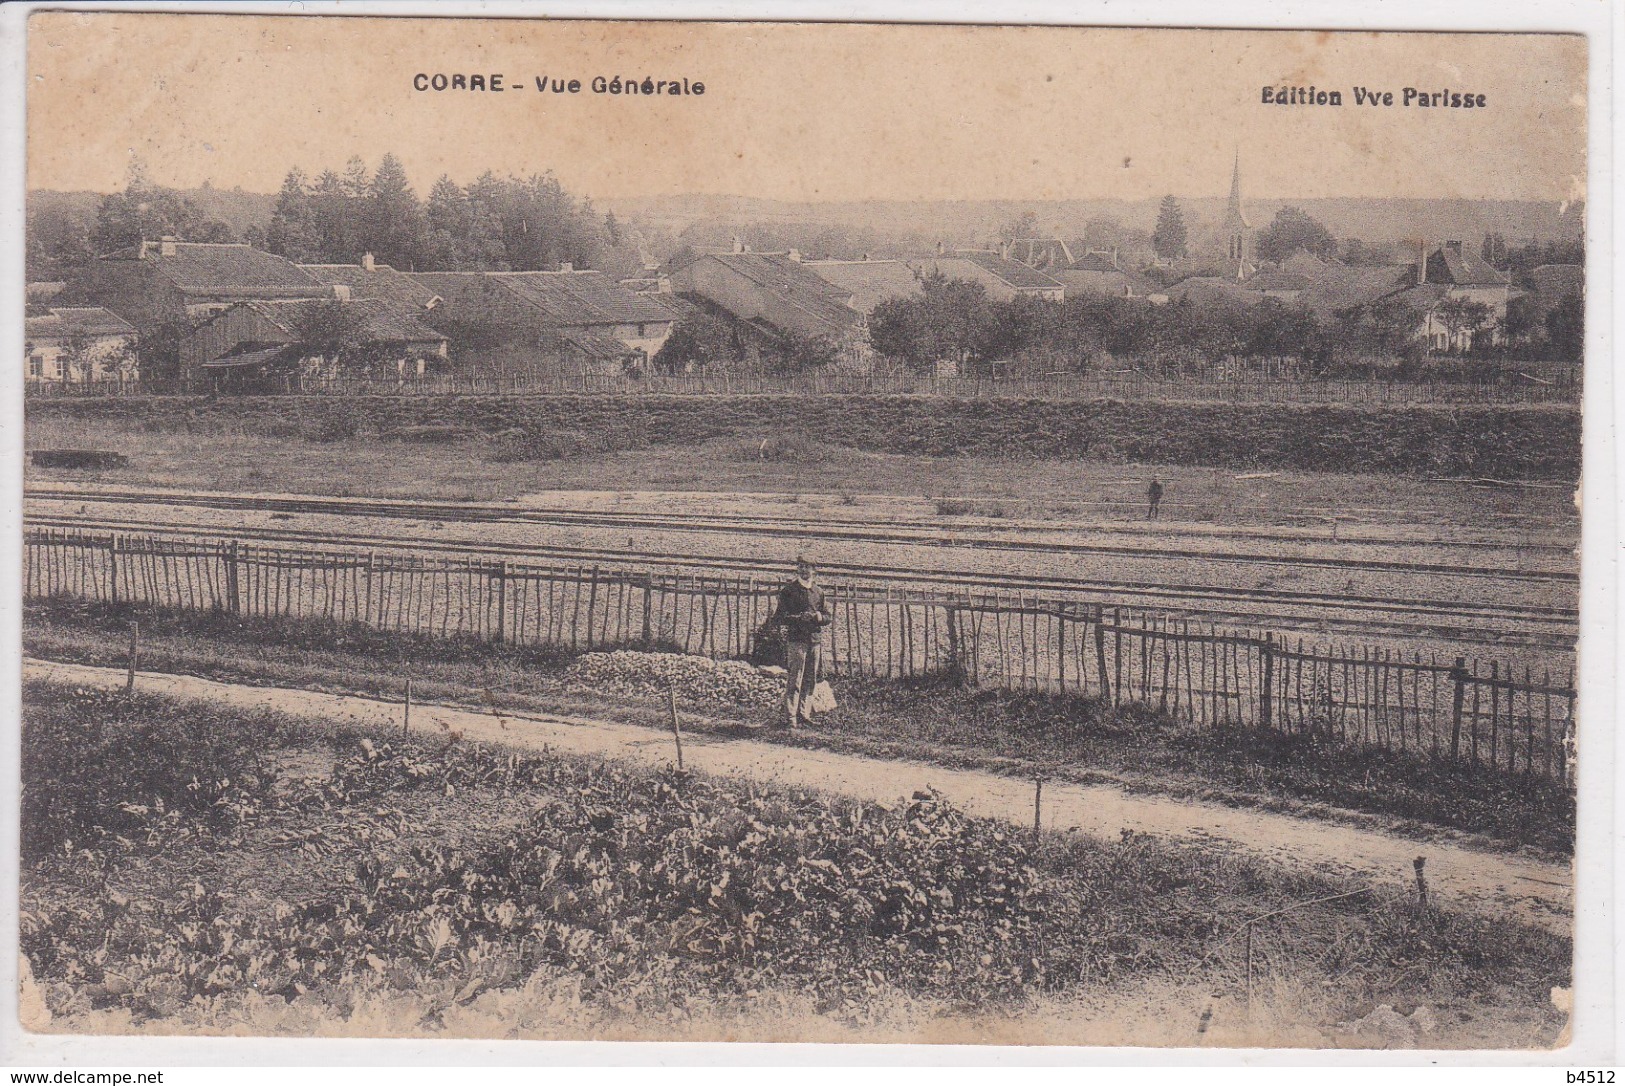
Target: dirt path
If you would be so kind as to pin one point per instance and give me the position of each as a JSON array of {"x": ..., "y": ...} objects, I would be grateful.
[{"x": 1531, "y": 890}]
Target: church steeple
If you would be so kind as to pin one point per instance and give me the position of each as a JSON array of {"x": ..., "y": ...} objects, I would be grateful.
[{"x": 1237, "y": 230}]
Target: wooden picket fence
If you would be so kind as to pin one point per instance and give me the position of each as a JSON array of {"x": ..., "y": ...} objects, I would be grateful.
[
  {"x": 1514, "y": 383},
  {"x": 1459, "y": 710}
]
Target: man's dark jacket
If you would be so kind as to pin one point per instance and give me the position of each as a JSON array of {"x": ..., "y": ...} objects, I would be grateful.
[{"x": 802, "y": 612}]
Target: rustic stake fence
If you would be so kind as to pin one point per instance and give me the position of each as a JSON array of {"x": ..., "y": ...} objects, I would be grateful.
[{"x": 1505, "y": 718}]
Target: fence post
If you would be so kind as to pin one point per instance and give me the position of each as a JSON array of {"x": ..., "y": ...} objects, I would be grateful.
[
  {"x": 1266, "y": 687},
  {"x": 956, "y": 660},
  {"x": 592, "y": 596},
  {"x": 112, "y": 567},
  {"x": 676, "y": 728},
  {"x": 1060, "y": 646},
  {"x": 135, "y": 651},
  {"x": 1100, "y": 655},
  {"x": 234, "y": 602},
  {"x": 499, "y": 578},
  {"x": 1458, "y": 674},
  {"x": 648, "y": 608}
]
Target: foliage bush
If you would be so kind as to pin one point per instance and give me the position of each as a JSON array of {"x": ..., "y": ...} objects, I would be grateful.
[
  {"x": 97, "y": 763},
  {"x": 658, "y": 889}
]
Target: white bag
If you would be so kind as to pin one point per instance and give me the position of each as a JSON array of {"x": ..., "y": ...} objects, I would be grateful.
[{"x": 821, "y": 700}]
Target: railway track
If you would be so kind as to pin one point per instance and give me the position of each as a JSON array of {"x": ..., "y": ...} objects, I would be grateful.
[
  {"x": 903, "y": 532},
  {"x": 1550, "y": 628}
]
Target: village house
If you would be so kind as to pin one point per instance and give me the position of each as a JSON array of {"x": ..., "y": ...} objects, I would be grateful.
[
  {"x": 866, "y": 283},
  {"x": 1045, "y": 254},
  {"x": 564, "y": 322},
  {"x": 252, "y": 342},
  {"x": 1443, "y": 278},
  {"x": 1003, "y": 278},
  {"x": 773, "y": 296},
  {"x": 1100, "y": 271},
  {"x": 79, "y": 344},
  {"x": 369, "y": 279},
  {"x": 161, "y": 282},
  {"x": 1452, "y": 272}
]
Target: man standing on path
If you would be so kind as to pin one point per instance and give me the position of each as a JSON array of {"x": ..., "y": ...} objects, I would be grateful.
[
  {"x": 803, "y": 613},
  {"x": 1153, "y": 496}
]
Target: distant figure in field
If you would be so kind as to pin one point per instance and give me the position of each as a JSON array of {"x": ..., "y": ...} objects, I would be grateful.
[
  {"x": 1153, "y": 497},
  {"x": 803, "y": 613}
]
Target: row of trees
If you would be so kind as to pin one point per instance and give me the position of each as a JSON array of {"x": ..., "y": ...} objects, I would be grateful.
[
  {"x": 953, "y": 319},
  {"x": 492, "y": 224}
]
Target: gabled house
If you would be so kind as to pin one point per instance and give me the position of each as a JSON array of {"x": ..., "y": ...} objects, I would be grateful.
[
  {"x": 1046, "y": 254},
  {"x": 1288, "y": 280},
  {"x": 1002, "y": 277},
  {"x": 78, "y": 344},
  {"x": 866, "y": 283},
  {"x": 310, "y": 341},
  {"x": 1100, "y": 271},
  {"x": 774, "y": 297},
  {"x": 370, "y": 279},
  {"x": 552, "y": 322},
  {"x": 168, "y": 281},
  {"x": 1452, "y": 275}
]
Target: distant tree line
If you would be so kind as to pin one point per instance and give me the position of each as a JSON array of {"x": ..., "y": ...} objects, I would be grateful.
[
  {"x": 63, "y": 237},
  {"x": 954, "y": 319},
  {"x": 492, "y": 224}
]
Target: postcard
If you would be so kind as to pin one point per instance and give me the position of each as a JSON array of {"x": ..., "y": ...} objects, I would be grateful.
[{"x": 555, "y": 529}]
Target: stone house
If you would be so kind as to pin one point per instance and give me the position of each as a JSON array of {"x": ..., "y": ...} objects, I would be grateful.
[
  {"x": 79, "y": 344},
  {"x": 564, "y": 322}
]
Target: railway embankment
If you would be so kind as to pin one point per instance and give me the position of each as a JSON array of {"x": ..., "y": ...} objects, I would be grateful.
[{"x": 1508, "y": 442}]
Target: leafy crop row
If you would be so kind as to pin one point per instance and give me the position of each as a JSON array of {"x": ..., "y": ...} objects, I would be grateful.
[{"x": 657, "y": 890}]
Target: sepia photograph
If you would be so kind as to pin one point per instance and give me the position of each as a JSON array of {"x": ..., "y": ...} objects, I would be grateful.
[{"x": 583, "y": 530}]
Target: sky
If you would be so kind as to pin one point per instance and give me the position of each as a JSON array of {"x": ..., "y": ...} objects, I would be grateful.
[{"x": 802, "y": 112}]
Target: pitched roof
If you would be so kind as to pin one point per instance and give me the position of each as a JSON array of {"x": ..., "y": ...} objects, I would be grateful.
[
  {"x": 226, "y": 270},
  {"x": 1097, "y": 260},
  {"x": 1016, "y": 274},
  {"x": 1348, "y": 288},
  {"x": 1457, "y": 264},
  {"x": 867, "y": 282},
  {"x": 582, "y": 298},
  {"x": 382, "y": 281},
  {"x": 377, "y": 320},
  {"x": 595, "y": 345},
  {"x": 1209, "y": 288},
  {"x": 63, "y": 321},
  {"x": 1423, "y": 296},
  {"x": 1047, "y": 253},
  {"x": 790, "y": 283},
  {"x": 1277, "y": 279},
  {"x": 1115, "y": 282},
  {"x": 255, "y": 356}
]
